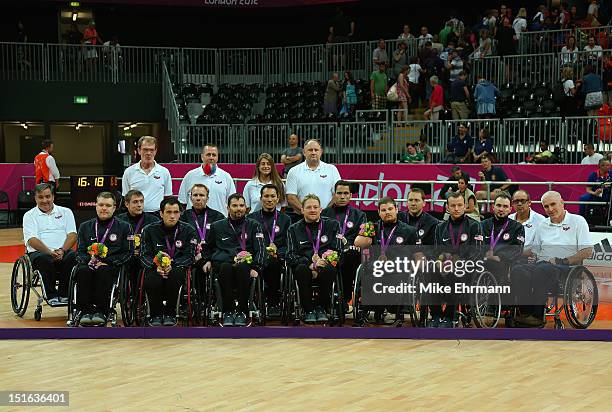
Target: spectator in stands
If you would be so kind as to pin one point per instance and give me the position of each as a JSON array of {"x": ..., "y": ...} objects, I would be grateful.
[
  {"x": 403, "y": 95},
  {"x": 90, "y": 40},
  {"x": 569, "y": 52},
  {"x": 459, "y": 150},
  {"x": 342, "y": 28},
  {"x": 593, "y": 10},
  {"x": 483, "y": 146},
  {"x": 595, "y": 51},
  {"x": 454, "y": 64},
  {"x": 460, "y": 97},
  {"x": 485, "y": 47},
  {"x": 471, "y": 205},
  {"x": 568, "y": 106},
  {"x": 400, "y": 59},
  {"x": 406, "y": 36},
  {"x": 219, "y": 183},
  {"x": 414, "y": 76},
  {"x": 436, "y": 101},
  {"x": 112, "y": 53},
  {"x": 506, "y": 37},
  {"x": 564, "y": 16},
  {"x": 334, "y": 87},
  {"x": 485, "y": 96},
  {"x": 490, "y": 173},
  {"x": 591, "y": 87},
  {"x": 424, "y": 148},
  {"x": 45, "y": 168},
  {"x": 433, "y": 65},
  {"x": 412, "y": 155},
  {"x": 537, "y": 22},
  {"x": 519, "y": 25},
  {"x": 599, "y": 192},
  {"x": 443, "y": 35},
  {"x": 291, "y": 156},
  {"x": 448, "y": 188},
  {"x": 591, "y": 157},
  {"x": 456, "y": 24},
  {"x": 607, "y": 79},
  {"x": 349, "y": 93},
  {"x": 424, "y": 37},
  {"x": 380, "y": 55},
  {"x": 74, "y": 36},
  {"x": 265, "y": 174},
  {"x": 544, "y": 156},
  {"x": 378, "y": 88}
]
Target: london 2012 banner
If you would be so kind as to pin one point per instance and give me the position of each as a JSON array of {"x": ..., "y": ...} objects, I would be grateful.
[{"x": 252, "y": 4}]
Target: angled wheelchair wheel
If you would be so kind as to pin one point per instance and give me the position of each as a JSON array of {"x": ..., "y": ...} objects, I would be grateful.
[
  {"x": 142, "y": 308},
  {"x": 580, "y": 298},
  {"x": 486, "y": 306},
  {"x": 128, "y": 298},
  {"x": 360, "y": 316},
  {"x": 336, "y": 304},
  {"x": 20, "y": 285},
  {"x": 417, "y": 313},
  {"x": 73, "y": 313}
]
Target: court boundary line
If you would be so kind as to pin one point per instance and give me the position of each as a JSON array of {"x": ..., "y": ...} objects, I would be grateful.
[{"x": 305, "y": 333}]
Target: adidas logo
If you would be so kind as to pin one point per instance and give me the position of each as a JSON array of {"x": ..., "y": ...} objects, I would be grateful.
[{"x": 602, "y": 251}]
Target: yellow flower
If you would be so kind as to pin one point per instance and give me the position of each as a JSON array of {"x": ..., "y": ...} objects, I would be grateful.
[
  {"x": 136, "y": 240},
  {"x": 165, "y": 261}
]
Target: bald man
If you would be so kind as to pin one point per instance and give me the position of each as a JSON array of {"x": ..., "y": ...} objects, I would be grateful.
[
  {"x": 561, "y": 240},
  {"x": 292, "y": 156}
]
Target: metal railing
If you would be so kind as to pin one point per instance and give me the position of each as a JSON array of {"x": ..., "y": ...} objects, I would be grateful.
[
  {"x": 171, "y": 112},
  {"x": 372, "y": 142},
  {"x": 131, "y": 64},
  {"x": 545, "y": 41}
]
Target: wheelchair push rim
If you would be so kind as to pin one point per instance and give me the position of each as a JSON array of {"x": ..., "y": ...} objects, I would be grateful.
[
  {"x": 20, "y": 286},
  {"x": 486, "y": 308},
  {"x": 581, "y": 298}
]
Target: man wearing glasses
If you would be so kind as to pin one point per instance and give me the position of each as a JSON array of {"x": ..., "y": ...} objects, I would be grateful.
[{"x": 530, "y": 219}]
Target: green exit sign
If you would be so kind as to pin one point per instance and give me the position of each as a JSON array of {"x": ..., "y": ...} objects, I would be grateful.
[
  {"x": 80, "y": 100},
  {"x": 75, "y": 4}
]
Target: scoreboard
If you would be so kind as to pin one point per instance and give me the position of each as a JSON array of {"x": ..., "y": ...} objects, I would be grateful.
[{"x": 85, "y": 189}]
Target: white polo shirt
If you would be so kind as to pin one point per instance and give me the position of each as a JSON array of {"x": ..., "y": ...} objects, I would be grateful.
[
  {"x": 530, "y": 225},
  {"x": 563, "y": 239},
  {"x": 50, "y": 228},
  {"x": 302, "y": 181},
  {"x": 220, "y": 186},
  {"x": 154, "y": 186}
]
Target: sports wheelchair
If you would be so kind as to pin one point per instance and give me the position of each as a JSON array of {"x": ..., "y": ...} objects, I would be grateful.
[
  {"x": 25, "y": 278},
  {"x": 74, "y": 314},
  {"x": 213, "y": 306},
  {"x": 575, "y": 294},
  {"x": 292, "y": 310},
  {"x": 188, "y": 304},
  {"x": 364, "y": 315}
]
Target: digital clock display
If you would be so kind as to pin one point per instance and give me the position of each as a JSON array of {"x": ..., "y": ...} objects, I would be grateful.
[{"x": 85, "y": 189}]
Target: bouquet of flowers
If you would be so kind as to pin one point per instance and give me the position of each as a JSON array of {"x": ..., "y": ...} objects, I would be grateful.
[
  {"x": 97, "y": 251},
  {"x": 243, "y": 256},
  {"x": 367, "y": 229},
  {"x": 162, "y": 260},
  {"x": 272, "y": 250},
  {"x": 331, "y": 257},
  {"x": 136, "y": 241}
]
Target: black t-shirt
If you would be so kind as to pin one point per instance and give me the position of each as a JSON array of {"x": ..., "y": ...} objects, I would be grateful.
[{"x": 457, "y": 92}]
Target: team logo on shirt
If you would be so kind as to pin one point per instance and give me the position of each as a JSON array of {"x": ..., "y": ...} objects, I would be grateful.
[
  {"x": 506, "y": 236},
  {"x": 258, "y": 235},
  {"x": 324, "y": 238},
  {"x": 565, "y": 228},
  {"x": 464, "y": 237},
  {"x": 178, "y": 243},
  {"x": 323, "y": 176},
  {"x": 349, "y": 224},
  {"x": 528, "y": 225},
  {"x": 477, "y": 238},
  {"x": 59, "y": 216},
  {"x": 156, "y": 177},
  {"x": 421, "y": 232},
  {"x": 276, "y": 229},
  {"x": 399, "y": 240},
  {"x": 113, "y": 237},
  {"x": 218, "y": 182}
]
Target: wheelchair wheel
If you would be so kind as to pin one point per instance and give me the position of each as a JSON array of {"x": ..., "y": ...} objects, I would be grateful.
[
  {"x": 359, "y": 315},
  {"x": 285, "y": 296},
  {"x": 20, "y": 285},
  {"x": 128, "y": 298},
  {"x": 580, "y": 298},
  {"x": 336, "y": 304},
  {"x": 73, "y": 315},
  {"x": 142, "y": 307},
  {"x": 486, "y": 307},
  {"x": 417, "y": 313},
  {"x": 186, "y": 303}
]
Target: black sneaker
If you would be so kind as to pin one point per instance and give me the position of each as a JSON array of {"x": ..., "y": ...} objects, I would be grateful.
[
  {"x": 156, "y": 321},
  {"x": 274, "y": 310},
  {"x": 228, "y": 319},
  {"x": 321, "y": 315},
  {"x": 446, "y": 323},
  {"x": 240, "y": 319},
  {"x": 169, "y": 320}
]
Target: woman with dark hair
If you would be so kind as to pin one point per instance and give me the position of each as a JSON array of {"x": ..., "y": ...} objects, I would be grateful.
[
  {"x": 265, "y": 173},
  {"x": 349, "y": 93}
]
